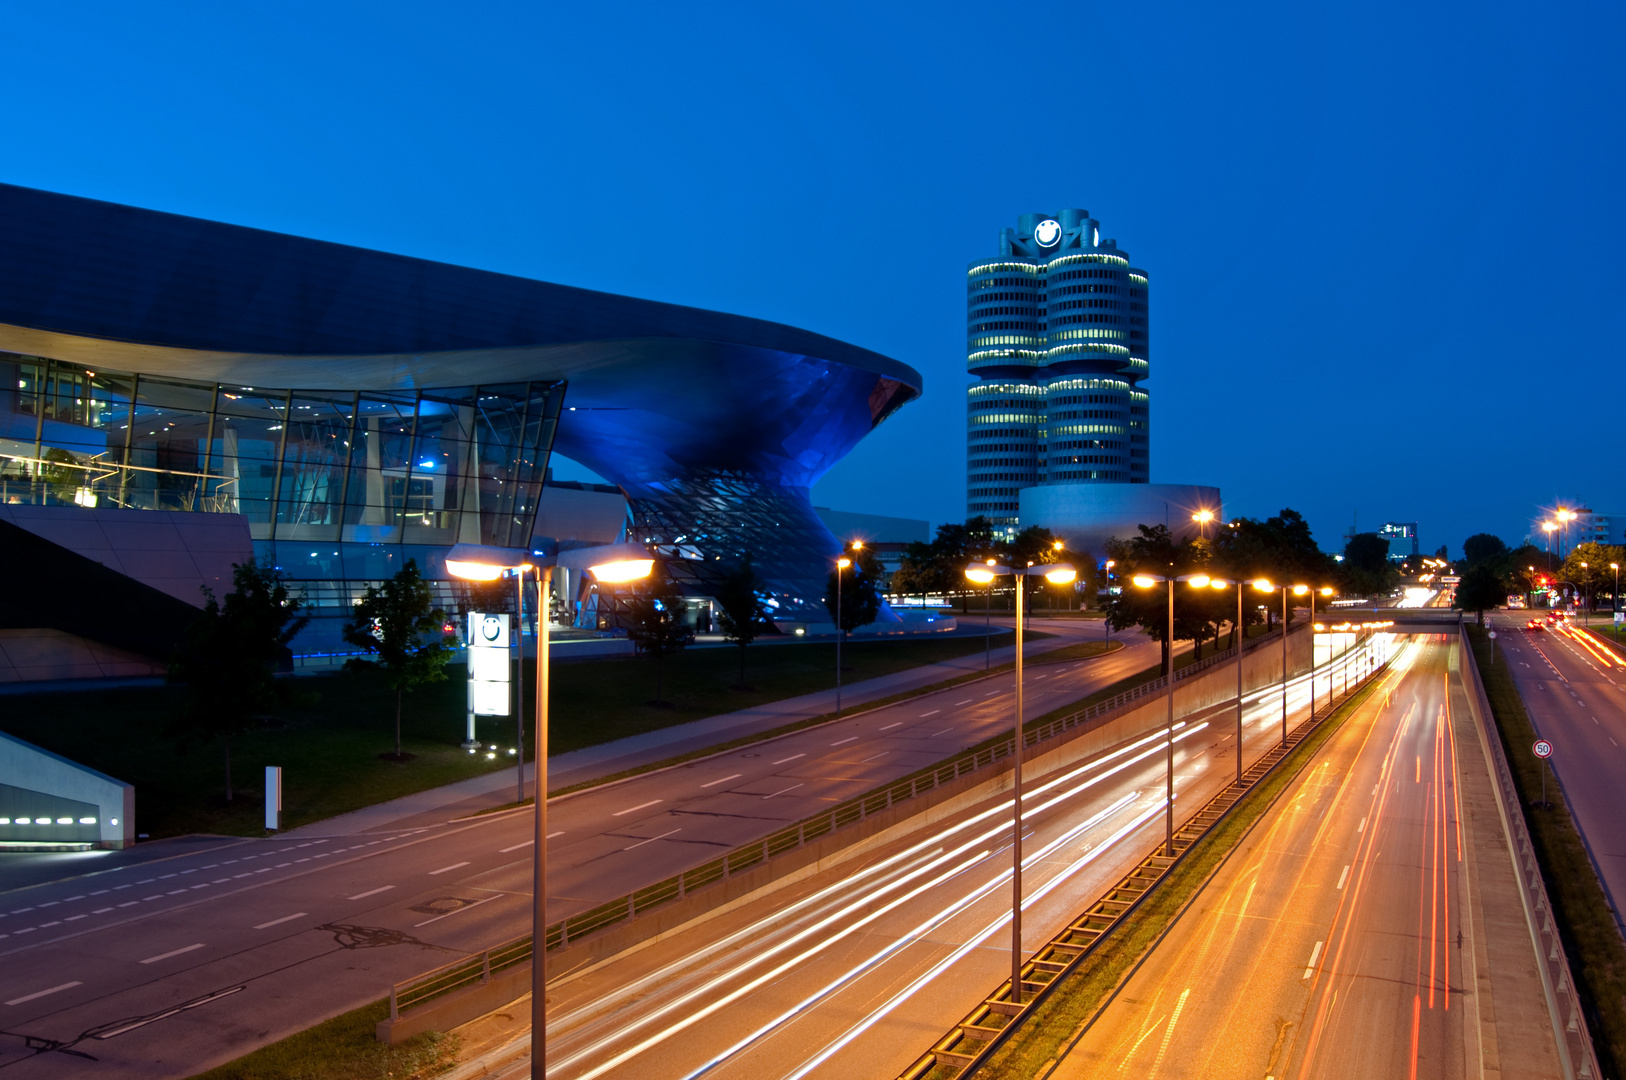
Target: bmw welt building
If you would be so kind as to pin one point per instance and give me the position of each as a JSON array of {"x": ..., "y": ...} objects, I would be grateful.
[{"x": 176, "y": 394}]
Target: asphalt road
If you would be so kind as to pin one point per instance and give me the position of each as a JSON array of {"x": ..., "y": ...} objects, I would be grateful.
[
  {"x": 160, "y": 968},
  {"x": 855, "y": 972},
  {"x": 1332, "y": 944},
  {"x": 1574, "y": 690}
]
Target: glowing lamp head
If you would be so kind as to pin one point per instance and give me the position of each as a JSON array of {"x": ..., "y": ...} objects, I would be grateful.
[
  {"x": 1318, "y": 626},
  {"x": 980, "y": 575},
  {"x": 1061, "y": 575},
  {"x": 858, "y": 545},
  {"x": 473, "y": 571},
  {"x": 1143, "y": 582},
  {"x": 1300, "y": 590},
  {"x": 623, "y": 570},
  {"x": 1326, "y": 590},
  {"x": 1264, "y": 585},
  {"x": 844, "y": 563},
  {"x": 1203, "y": 517},
  {"x": 1199, "y": 581}
]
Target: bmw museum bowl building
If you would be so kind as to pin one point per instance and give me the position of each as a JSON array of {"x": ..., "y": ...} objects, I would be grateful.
[{"x": 176, "y": 394}]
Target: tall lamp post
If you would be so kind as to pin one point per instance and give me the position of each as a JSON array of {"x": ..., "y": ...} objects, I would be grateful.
[
  {"x": 841, "y": 564},
  {"x": 1263, "y": 586},
  {"x": 1614, "y": 597},
  {"x": 610, "y": 564},
  {"x": 1586, "y": 612},
  {"x": 1196, "y": 581},
  {"x": 983, "y": 573},
  {"x": 1549, "y": 527}
]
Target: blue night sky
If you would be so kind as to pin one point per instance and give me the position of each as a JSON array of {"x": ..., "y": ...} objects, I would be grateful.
[{"x": 1383, "y": 239}]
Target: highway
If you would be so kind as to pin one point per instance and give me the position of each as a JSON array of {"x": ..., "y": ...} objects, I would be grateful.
[
  {"x": 254, "y": 939},
  {"x": 1574, "y": 689},
  {"x": 855, "y": 972},
  {"x": 1340, "y": 940}
]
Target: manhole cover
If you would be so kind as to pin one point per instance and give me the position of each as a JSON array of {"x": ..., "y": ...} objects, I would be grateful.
[{"x": 440, "y": 905}]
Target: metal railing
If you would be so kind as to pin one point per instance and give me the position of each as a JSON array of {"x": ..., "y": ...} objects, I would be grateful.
[
  {"x": 458, "y": 974},
  {"x": 1576, "y": 1056}
]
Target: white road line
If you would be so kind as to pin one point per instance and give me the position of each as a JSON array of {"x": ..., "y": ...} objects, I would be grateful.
[
  {"x": 923, "y": 715},
  {"x": 651, "y": 840},
  {"x": 872, "y": 757},
  {"x": 1359, "y": 828},
  {"x": 551, "y": 835},
  {"x": 43, "y": 993},
  {"x": 640, "y": 806},
  {"x": 935, "y": 734},
  {"x": 1314, "y": 956},
  {"x": 991, "y": 693},
  {"x": 279, "y": 922},
  {"x": 793, "y": 757},
  {"x": 1342, "y": 878},
  {"x": 889, "y": 727},
  {"x": 370, "y": 892},
  {"x": 456, "y": 865},
  {"x": 174, "y": 952},
  {"x": 516, "y": 847},
  {"x": 967, "y": 701},
  {"x": 781, "y": 791},
  {"x": 726, "y": 779},
  {"x": 456, "y": 911},
  {"x": 848, "y": 739}
]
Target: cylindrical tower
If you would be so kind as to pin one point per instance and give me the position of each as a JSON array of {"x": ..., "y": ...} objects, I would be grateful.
[{"x": 1057, "y": 338}]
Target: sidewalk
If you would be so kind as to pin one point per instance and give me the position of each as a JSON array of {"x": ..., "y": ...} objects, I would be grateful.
[{"x": 466, "y": 797}]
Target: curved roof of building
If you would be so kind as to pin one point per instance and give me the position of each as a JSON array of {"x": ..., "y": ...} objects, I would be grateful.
[{"x": 162, "y": 292}]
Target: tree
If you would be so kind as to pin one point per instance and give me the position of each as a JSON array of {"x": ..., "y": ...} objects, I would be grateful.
[
  {"x": 1484, "y": 548},
  {"x": 229, "y": 657},
  {"x": 1595, "y": 577},
  {"x": 1280, "y": 548},
  {"x": 1155, "y": 551},
  {"x": 745, "y": 612},
  {"x": 656, "y": 624},
  {"x": 860, "y": 592},
  {"x": 1481, "y": 588},
  {"x": 397, "y": 623},
  {"x": 940, "y": 565},
  {"x": 1366, "y": 570}
]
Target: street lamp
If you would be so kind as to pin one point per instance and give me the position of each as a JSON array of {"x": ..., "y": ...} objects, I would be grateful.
[
  {"x": 841, "y": 564},
  {"x": 1614, "y": 598},
  {"x": 983, "y": 573},
  {"x": 1221, "y": 583},
  {"x": 611, "y": 564},
  {"x": 1565, "y": 517},
  {"x": 1196, "y": 581},
  {"x": 1203, "y": 517},
  {"x": 1586, "y": 612}
]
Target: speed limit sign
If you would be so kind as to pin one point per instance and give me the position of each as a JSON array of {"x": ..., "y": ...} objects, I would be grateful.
[{"x": 1544, "y": 749}]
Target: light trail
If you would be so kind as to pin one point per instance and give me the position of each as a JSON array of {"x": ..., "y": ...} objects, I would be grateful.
[{"x": 953, "y": 958}]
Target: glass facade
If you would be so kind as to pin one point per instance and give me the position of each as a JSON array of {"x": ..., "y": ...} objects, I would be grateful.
[{"x": 339, "y": 487}]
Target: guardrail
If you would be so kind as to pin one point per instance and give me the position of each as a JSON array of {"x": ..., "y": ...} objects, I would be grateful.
[
  {"x": 479, "y": 968},
  {"x": 1576, "y": 1056}
]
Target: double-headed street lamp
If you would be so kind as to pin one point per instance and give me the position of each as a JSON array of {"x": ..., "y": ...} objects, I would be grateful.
[
  {"x": 984, "y": 573},
  {"x": 609, "y": 564}
]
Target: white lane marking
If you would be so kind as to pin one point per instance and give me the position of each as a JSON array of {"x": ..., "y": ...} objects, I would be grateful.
[
  {"x": 454, "y": 866},
  {"x": 370, "y": 892},
  {"x": 872, "y": 757},
  {"x": 43, "y": 993},
  {"x": 991, "y": 693},
  {"x": 173, "y": 952},
  {"x": 456, "y": 911},
  {"x": 551, "y": 835},
  {"x": 640, "y": 806},
  {"x": 935, "y": 734},
  {"x": 724, "y": 780},
  {"x": 923, "y": 716},
  {"x": 651, "y": 840},
  {"x": 889, "y": 727},
  {"x": 1036, "y": 678},
  {"x": 1362, "y": 826},
  {"x": 101, "y": 911},
  {"x": 781, "y": 791},
  {"x": 1314, "y": 956},
  {"x": 516, "y": 847},
  {"x": 843, "y": 742},
  {"x": 1342, "y": 878},
  {"x": 793, "y": 757},
  {"x": 967, "y": 701},
  {"x": 278, "y": 922}
]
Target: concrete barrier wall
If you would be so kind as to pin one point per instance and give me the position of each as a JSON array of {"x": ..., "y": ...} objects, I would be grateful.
[{"x": 36, "y": 783}]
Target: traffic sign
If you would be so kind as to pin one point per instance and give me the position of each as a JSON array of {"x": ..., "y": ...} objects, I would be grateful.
[
  {"x": 1544, "y": 749},
  {"x": 1493, "y": 635}
]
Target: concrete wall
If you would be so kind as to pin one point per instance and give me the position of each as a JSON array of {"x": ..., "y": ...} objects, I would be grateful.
[
  {"x": 41, "y": 777},
  {"x": 171, "y": 550}
]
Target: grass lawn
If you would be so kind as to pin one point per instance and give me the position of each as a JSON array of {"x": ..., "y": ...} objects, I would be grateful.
[
  {"x": 1596, "y": 953},
  {"x": 329, "y": 750},
  {"x": 342, "y": 1049}
]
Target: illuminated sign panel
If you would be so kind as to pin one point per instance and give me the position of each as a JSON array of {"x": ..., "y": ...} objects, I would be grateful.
[{"x": 488, "y": 664}]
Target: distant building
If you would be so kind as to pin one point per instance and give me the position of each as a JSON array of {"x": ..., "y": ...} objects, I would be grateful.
[
  {"x": 1056, "y": 335},
  {"x": 1398, "y": 533},
  {"x": 1587, "y": 527}
]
